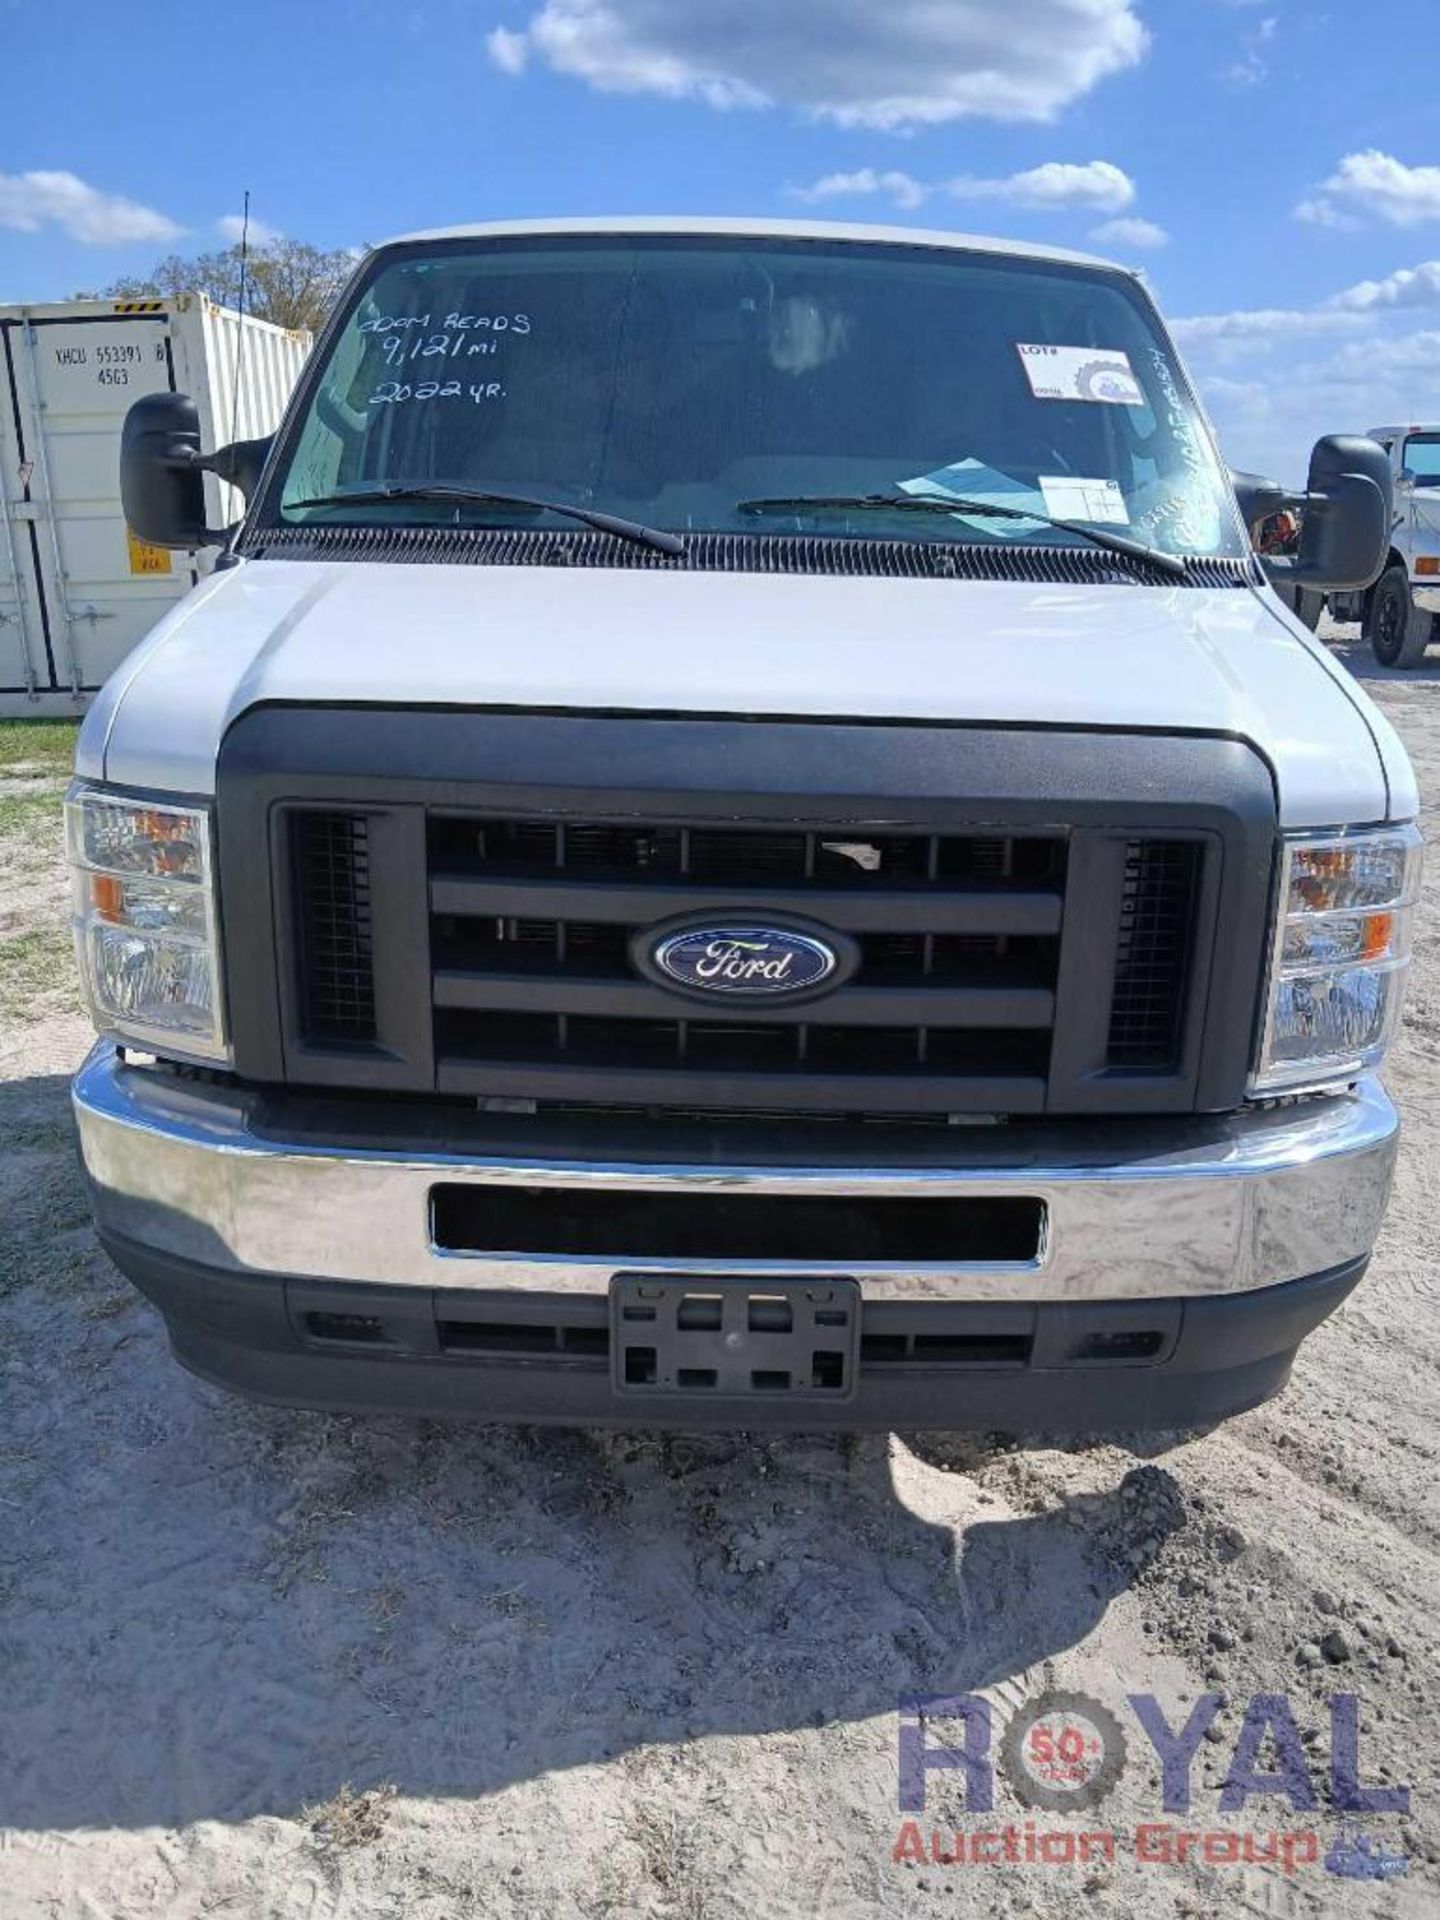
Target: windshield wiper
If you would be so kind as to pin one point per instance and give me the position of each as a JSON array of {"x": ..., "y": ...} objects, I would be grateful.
[
  {"x": 943, "y": 503},
  {"x": 602, "y": 522}
]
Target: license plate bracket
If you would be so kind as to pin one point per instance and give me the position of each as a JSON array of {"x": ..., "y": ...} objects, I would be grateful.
[{"x": 711, "y": 1337}]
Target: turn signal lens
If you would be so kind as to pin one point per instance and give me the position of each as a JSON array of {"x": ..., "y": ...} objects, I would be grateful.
[{"x": 1331, "y": 876}]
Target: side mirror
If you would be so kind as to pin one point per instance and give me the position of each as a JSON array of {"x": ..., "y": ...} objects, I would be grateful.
[
  {"x": 162, "y": 471},
  {"x": 162, "y": 484},
  {"x": 1346, "y": 514}
]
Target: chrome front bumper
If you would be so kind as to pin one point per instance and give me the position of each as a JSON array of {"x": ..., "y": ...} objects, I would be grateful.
[{"x": 1155, "y": 1209}]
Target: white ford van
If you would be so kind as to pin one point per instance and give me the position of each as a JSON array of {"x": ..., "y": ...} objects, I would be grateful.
[{"x": 738, "y": 838}]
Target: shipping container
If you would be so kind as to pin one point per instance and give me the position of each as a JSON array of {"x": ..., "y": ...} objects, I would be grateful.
[{"x": 77, "y": 590}]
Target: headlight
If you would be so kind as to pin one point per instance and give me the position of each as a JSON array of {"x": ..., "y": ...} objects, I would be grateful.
[
  {"x": 1341, "y": 954},
  {"x": 145, "y": 931}
]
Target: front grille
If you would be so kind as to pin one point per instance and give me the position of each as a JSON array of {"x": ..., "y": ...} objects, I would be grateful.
[
  {"x": 951, "y": 1006},
  {"x": 1156, "y": 940},
  {"x": 330, "y": 856},
  {"x": 534, "y": 994},
  {"x": 462, "y": 906}
]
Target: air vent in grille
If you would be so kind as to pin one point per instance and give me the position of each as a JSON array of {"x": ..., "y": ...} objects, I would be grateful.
[
  {"x": 744, "y": 856},
  {"x": 331, "y": 863},
  {"x": 1156, "y": 935}
]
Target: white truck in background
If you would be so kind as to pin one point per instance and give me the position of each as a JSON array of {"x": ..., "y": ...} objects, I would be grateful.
[
  {"x": 1399, "y": 611},
  {"x": 77, "y": 588}
]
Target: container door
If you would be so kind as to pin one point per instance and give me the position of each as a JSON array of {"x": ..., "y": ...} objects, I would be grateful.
[
  {"x": 23, "y": 664},
  {"x": 103, "y": 589}
]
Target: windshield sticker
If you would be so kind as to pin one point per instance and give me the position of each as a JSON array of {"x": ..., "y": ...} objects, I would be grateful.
[
  {"x": 986, "y": 486},
  {"x": 1081, "y": 373},
  {"x": 1068, "y": 497}
]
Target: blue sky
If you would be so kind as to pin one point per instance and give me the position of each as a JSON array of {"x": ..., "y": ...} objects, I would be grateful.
[{"x": 1262, "y": 157}]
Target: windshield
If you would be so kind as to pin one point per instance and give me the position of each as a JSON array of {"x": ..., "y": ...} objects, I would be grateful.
[
  {"x": 720, "y": 385},
  {"x": 1422, "y": 459}
]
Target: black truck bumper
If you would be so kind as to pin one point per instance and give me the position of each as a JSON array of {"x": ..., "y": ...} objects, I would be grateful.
[{"x": 1045, "y": 1369}]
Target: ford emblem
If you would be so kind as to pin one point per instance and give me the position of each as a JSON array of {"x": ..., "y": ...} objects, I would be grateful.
[{"x": 744, "y": 962}]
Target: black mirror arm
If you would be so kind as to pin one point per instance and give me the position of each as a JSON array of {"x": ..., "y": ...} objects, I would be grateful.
[{"x": 239, "y": 465}]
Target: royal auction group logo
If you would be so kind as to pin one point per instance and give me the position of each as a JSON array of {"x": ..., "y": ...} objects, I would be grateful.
[{"x": 1066, "y": 1753}]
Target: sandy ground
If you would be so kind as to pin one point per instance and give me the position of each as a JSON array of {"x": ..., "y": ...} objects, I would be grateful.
[{"x": 263, "y": 1663}]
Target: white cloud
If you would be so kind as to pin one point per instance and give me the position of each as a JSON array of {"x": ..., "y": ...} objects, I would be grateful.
[
  {"x": 510, "y": 51},
  {"x": 1096, "y": 187},
  {"x": 30, "y": 201},
  {"x": 1277, "y": 378},
  {"x": 1374, "y": 186},
  {"x": 1269, "y": 424},
  {"x": 1260, "y": 328},
  {"x": 909, "y": 63},
  {"x": 1253, "y": 66},
  {"x": 231, "y": 227},
  {"x": 904, "y": 190},
  {"x": 1144, "y": 235},
  {"x": 1363, "y": 362},
  {"x": 1410, "y": 287},
  {"x": 1228, "y": 338}
]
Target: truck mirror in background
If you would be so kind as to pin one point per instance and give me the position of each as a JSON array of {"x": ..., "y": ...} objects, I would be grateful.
[
  {"x": 162, "y": 471},
  {"x": 1345, "y": 514},
  {"x": 162, "y": 483}
]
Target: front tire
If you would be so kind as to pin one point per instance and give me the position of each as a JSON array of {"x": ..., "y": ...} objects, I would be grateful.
[{"x": 1398, "y": 631}]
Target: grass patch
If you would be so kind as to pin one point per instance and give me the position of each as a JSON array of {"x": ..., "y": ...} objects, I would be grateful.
[
  {"x": 351, "y": 1819},
  {"x": 36, "y": 758},
  {"x": 30, "y": 815},
  {"x": 38, "y": 747},
  {"x": 37, "y": 968}
]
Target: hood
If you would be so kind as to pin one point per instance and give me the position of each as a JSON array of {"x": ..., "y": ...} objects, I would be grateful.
[{"x": 1222, "y": 661}]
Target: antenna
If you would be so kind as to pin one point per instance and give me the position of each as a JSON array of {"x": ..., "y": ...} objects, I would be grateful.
[{"x": 240, "y": 330}]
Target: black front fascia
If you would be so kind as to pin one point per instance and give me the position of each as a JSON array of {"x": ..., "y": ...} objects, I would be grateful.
[{"x": 1099, "y": 789}]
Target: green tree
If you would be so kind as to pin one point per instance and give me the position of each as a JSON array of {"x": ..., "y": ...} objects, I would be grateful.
[{"x": 286, "y": 281}]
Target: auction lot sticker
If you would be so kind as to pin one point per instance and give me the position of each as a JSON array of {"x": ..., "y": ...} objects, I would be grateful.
[
  {"x": 1063, "y": 1752},
  {"x": 1102, "y": 374}
]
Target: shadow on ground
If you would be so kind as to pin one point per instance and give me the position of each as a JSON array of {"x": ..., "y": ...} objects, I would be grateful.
[
  {"x": 215, "y": 1610},
  {"x": 1355, "y": 654}
]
